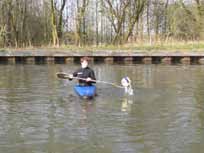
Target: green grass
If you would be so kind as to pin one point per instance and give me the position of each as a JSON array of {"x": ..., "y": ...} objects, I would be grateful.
[
  {"x": 174, "y": 46},
  {"x": 190, "y": 46},
  {"x": 145, "y": 47}
]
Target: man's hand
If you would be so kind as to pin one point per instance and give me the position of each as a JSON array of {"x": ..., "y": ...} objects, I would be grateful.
[{"x": 88, "y": 79}]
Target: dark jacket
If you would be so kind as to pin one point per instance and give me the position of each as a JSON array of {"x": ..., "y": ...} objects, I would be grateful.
[{"x": 85, "y": 73}]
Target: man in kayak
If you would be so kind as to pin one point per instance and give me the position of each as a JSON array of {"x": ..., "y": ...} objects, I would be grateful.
[{"x": 86, "y": 73}]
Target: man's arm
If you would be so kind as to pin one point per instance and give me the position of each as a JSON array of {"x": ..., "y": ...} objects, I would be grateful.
[
  {"x": 76, "y": 73},
  {"x": 92, "y": 76}
]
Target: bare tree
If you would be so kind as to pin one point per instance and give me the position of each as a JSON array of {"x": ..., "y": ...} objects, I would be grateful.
[
  {"x": 88, "y": 22},
  {"x": 116, "y": 13},
  {"x": 136, "y": 8},
  {"x": 80, "y": 33},
  {"x": 55, "y": 39},
  {"x": 97, "y": 37}
]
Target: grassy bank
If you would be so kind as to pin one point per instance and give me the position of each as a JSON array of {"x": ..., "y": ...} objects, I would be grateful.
[{"x": 159, "y": 46}]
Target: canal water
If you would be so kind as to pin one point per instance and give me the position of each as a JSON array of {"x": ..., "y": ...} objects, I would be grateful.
[{"x": 40, "y": 113}]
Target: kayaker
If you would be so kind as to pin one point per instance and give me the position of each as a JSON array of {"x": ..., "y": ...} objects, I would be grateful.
[{"x": 84, "y": 72}]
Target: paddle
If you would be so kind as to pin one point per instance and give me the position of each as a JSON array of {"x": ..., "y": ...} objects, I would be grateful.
[{"x": 126, "y": 83}]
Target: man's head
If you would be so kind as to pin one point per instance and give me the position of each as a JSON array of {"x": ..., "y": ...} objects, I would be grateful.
[{"x": 84, "y": 62}]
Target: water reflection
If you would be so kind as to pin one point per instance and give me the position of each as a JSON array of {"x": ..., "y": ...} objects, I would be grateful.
[{"x": 126, "y": 104}]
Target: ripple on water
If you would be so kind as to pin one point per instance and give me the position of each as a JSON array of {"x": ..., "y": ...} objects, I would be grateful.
[{"x": 39, "y": 113}]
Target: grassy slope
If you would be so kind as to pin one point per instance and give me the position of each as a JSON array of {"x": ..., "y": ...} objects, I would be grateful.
[{"x": 166, "y": 47}]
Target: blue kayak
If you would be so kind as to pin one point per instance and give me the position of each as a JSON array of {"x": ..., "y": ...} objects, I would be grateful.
[{"x": 85, "y": 91}]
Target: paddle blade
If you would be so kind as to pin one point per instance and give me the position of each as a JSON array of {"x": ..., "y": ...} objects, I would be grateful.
[{"x": 62, "y": 75}]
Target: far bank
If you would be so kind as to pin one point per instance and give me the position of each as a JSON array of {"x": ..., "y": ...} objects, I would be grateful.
[{"x": 59, "y": 55}]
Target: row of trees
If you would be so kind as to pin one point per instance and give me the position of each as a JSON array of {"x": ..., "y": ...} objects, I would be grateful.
[{"x": 95, "y": 22}]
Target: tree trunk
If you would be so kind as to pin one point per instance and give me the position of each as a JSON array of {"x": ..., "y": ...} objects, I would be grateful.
[
  {"x": 9, "y": 25},
  {"x": 200, "y": 20},
  {"x": 116, "y": 15},
  {"x": 148, "y": 17},
  {"x": 165, "y": 18},
  {"x": 97, "y": 40},
  {"x": 60, "y": 26},
  {"x": 55, "y": 39},
  {"x": 80, "y": 34},
  {"x": 23, "y": 29},
  {"x": 134, "y": 17}
]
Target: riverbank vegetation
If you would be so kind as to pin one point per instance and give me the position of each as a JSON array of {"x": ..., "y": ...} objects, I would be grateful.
[
  {"x": 102, "y": 24},
  {"x": 144, "y": 47}
]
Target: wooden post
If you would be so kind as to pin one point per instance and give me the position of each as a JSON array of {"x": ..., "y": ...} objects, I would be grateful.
[
  {"x": 30, "y": 60},
  {"x": 147, "y": 60},
  {"x": 186, "y": 60},
  {"x": 109, "y": 60},
  {"x": 201, "y": 60},
  {"x": 69, "y": 60},
  {"x": 166, "y": 60},
  {"x": 128, "y": 60},
  {"x": 50, "y": 60},
  {"x": 11, "y": 60}
]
